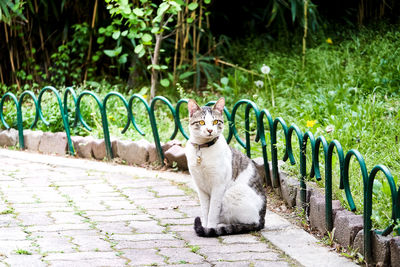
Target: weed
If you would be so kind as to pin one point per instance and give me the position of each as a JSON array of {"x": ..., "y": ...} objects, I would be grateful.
[
  {"x": 329, "y": 239},
  {"x": 7, "y": 211},
  {"x": 23, "y": 252},
  {"x": 194, "y": 248}
]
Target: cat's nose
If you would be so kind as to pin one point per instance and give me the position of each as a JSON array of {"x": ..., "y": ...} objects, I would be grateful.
[{"x": 210, "y": 130}]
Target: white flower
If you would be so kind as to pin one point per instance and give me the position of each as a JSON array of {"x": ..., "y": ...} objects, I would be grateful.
[
  {"x": 259, "y": 84},
  {"x": 265, "y": 69},
  {"x": 329, "y": 128}
]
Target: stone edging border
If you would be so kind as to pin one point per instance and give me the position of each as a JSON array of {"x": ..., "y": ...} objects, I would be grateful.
[{"x": 348, "y": 226}]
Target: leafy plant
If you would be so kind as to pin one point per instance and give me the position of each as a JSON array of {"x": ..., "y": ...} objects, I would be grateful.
[
  {"x": 147, "y": 25},
  {"x": 70, "y": 58}
]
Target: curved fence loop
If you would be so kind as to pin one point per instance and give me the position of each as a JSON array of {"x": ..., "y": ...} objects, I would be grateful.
[
  {"x": 20, "y": 126},
  {"x": 265, "y": 113},
  {"x": 299, "y": 134},
  {"x": 58, "y": 98},
  {"x": 249, "y": 105},
  {"x": 104, "y": 121},
  {"x": 35, "y": 101},
  {"x": 70, "y": 90},
  {"x": 119, "y": 96},
  {"x": 364, "y": 174},
  {"x": 130, "y": 105},
  {"x": 178, "y": 119},
  {"x": 274, "y": 150},
  {"x": 368, "y": 207},
  {"x": 309, "y": 136},
  {"x": 319, "y": 141},
  {"x": 328, "y": 180},
  {"x": 64, "y": 117},
  {"x": 171, "y": 108},
  {"x": 303, "y": 169},
  {"x": 287, "y": 155},
  {"x": 154, "y": 124}
]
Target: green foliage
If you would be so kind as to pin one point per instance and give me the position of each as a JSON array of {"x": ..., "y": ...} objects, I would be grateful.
[
  {"x": 10, "y": 9},
  {"x": 348, "y": 88},
  {"x": 68, "y": 61}
]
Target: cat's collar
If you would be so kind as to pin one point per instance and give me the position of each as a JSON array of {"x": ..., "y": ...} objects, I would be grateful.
[{"x": 208, "y": 144}]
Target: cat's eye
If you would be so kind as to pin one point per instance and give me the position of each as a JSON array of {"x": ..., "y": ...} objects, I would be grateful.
[
  {"x": 215, "y": 122},
  {"x": 202, "y": 122}
]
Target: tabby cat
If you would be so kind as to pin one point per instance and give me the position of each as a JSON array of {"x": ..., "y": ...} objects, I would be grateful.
[{"x": 230, "y": 189}]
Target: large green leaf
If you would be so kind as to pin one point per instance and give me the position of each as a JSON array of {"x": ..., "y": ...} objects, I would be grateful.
[
  {"x": 113, "y": 53},
  {"x": 147, "y": 38},
  {"x": 138, "y": 12},
  {"x": 193, "y": 6},
  {"x": 165, "y": 82}
]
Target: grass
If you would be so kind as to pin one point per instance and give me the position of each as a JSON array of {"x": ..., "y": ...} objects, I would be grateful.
[
  {"x": 23, "y": 252},
  {"x": 348, "y": 90}
]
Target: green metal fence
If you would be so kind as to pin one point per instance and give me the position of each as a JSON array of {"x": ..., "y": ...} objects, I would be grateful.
[{"x": 260, "y": 118}]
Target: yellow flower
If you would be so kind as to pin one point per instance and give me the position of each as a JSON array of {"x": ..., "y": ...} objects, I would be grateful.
[
  {"x": 329, "y": 41},
  {"x": 145, "y": 96},
  {"x": 311, "y": 124}
]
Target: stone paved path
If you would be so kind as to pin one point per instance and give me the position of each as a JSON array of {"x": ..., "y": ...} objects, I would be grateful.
[{"x": 58, "y": 211}]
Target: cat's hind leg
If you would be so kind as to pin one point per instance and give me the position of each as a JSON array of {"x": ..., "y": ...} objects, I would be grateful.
[{"x": 241, "y": 204}]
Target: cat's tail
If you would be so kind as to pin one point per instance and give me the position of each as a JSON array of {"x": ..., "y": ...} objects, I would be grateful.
[{"x": 229, "y": 229}]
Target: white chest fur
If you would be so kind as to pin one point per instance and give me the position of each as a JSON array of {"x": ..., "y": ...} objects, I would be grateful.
[{"x": 214, "y": 167}]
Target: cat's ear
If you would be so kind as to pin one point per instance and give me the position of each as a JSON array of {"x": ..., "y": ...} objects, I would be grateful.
[
  {"x": 220, "y": 105},
  {"x": 193, "y": 107}
]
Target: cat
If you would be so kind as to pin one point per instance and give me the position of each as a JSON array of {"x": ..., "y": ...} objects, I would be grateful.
[{"x": 230, "y": 189}]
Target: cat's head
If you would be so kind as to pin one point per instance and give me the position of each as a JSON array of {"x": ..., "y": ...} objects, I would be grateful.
[{"x": 206, "y": 123}]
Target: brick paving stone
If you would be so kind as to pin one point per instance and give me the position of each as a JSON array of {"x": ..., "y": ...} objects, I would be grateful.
[
  {"x": 66, "y": 217},
  {"x": 137, "y": 193},
  {"x": 7, "y": 220},
  {"x": 180, "y": 255},
  {"x": 118, "y": 218},
  {"x": 56, "y": 244},
  {"x": 12, "y": 233},
  {"x": 271, "y": 264},
  {"x": 143, "y": 257},
  {"x": 166, "y": 213},
  {"x": 139, "y": 216},
  {"x": 114, "y": 227},
  {"x": 10, "y": 246},
  {"x": 234, "y": 248},
  {"x": 59, "y": 227},
  {"x": 179, "y": 221},
  {"x": 181, "y": 228},
  {"x": 21, "y": 198},
  {"x": 239, "y": 239},
  {"x": 119, "y": 204},
  {"x": 143, "y": 237},
  {"x": 25, "y": 260},
  {"x": 243, "y": 256},
  {"x": 90, "y": 205},
  {"x": 191, "y": 211},
  {"x": 80, "y": 256},
  {"x": 146, "y": 227},
  {"x": 91, "y": 243},
  {"x": 163, "y": 191},
  {"x": 124, "y": 244},
  {"x": 42, "y": 207},
  {"x": 193, "y": 239},
  {"x": 89, "y": 263}
]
